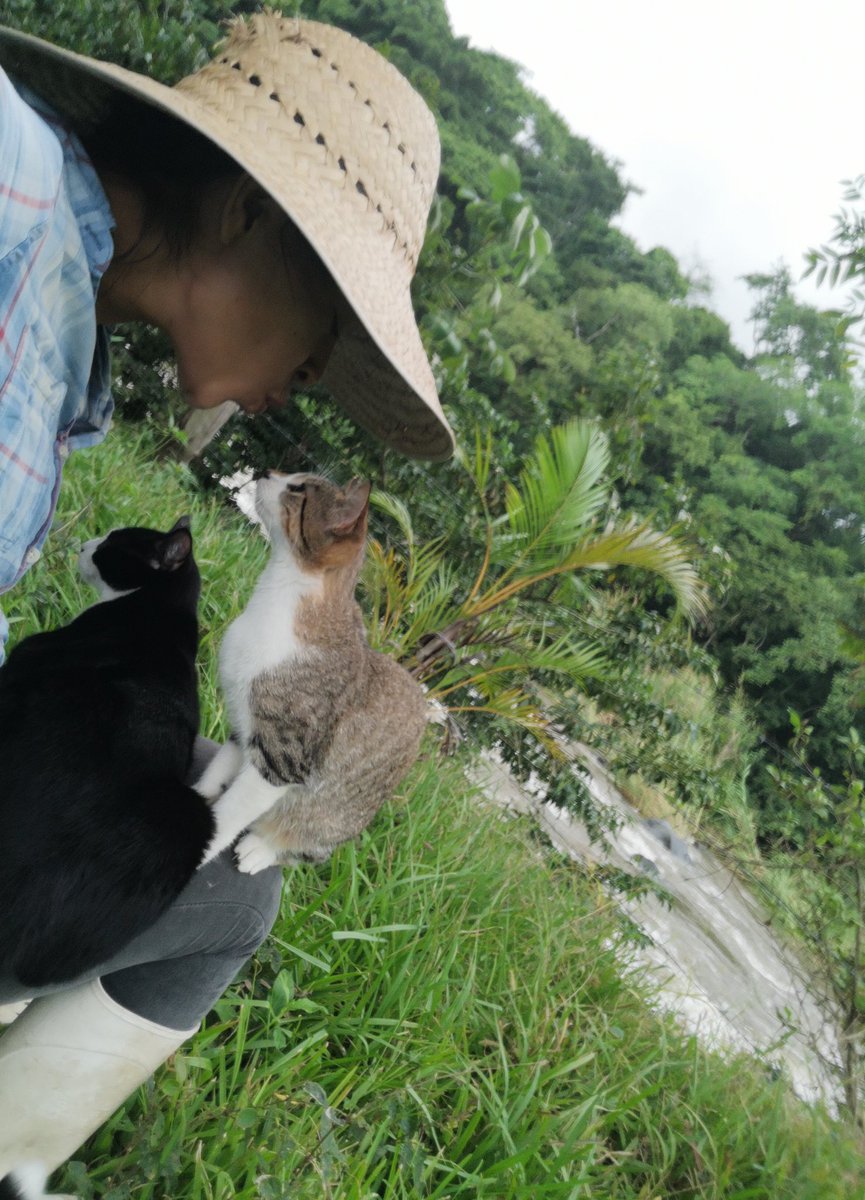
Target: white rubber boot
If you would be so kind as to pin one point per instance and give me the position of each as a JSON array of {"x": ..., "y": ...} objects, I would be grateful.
[
  {"x": 8, "y": 1012},
  {"x": 65, "y": 1065}
]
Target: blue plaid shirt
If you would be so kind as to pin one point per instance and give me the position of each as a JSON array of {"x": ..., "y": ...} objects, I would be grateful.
[{"x": 55, "y": 244}]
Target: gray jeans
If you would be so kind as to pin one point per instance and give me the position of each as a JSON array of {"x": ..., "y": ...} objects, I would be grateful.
[{"x": 174, "y": 972}]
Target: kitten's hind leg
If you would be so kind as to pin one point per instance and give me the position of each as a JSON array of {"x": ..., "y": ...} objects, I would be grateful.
[
  {"x": 222, "y": 770},
  {"x": 247, "y": 799}
]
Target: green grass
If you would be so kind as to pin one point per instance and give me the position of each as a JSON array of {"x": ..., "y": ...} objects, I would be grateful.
[{"x": 441, "y": 1010}]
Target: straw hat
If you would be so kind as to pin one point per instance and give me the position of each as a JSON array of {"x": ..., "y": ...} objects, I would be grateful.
[{"x": 345, "y": 146}]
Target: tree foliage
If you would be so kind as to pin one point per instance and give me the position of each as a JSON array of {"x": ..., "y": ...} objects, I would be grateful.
[{"x": 843, "y": 260}]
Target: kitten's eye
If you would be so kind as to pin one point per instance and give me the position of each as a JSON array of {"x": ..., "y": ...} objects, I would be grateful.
[{"x": 295, "y": 487}]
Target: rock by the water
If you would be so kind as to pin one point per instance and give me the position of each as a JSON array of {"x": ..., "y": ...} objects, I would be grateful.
[{"x": 668, "y": 839}]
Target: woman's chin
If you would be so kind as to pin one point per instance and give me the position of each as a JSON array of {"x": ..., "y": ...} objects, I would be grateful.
[
  {"x": 212, "y": 397},
  {"x": 202, "y": 399}
]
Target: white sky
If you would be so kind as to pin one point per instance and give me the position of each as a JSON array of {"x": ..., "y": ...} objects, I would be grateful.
[{"x": 739, "y": 120}]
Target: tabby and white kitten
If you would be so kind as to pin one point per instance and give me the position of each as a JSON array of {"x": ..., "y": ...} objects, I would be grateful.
[{"x": 322, "y": 725}]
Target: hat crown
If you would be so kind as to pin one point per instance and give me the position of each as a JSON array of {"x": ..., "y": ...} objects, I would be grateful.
[{"x": 363, "y": 127}]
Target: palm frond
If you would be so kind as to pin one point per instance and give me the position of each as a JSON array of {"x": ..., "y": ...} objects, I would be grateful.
[
  {"x": 424, "y": 565},
  {"x": 631, "y": 545},
  {"x": 483, "y": 649},
  {"x": 394, "y": 508},
  {"x": 430, "y": 610},
  {"x": 409, "y": 598},
  {"x": 636, "y": 544},
  {"x": 560, "y": 492},
  {"x": 515, "y": 706},
  {"x": 481, "y": 669},
  {"x": 479, "y": 463}
]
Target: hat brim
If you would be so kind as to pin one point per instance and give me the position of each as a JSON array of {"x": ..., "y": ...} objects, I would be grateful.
[{"x": 379, "y": 372}]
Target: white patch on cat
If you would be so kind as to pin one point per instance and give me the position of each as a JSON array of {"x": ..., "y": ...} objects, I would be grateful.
[
  {"x": 267, "y": 493},
  {"x": 263, "y": 636},
  {"x": 86, "y": 567},
  {"x": 260, "y": 639},
  {"x": 89, "y": 572},
  {"x": 248, "y": 798},
  {"x": 30, "y": 1180}
]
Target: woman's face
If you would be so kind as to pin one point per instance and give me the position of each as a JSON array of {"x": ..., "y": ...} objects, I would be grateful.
[{"x": 258, "y": 317}]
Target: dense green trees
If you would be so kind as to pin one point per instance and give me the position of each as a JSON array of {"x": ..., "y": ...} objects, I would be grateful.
[{"x": 766, "y": 461}]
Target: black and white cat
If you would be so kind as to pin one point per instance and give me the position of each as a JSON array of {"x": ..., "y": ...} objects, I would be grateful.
[{"x": 99, "y": 833}]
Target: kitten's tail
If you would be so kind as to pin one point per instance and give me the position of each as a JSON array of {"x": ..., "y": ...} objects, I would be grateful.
[{"x": 26, "y": 1182}]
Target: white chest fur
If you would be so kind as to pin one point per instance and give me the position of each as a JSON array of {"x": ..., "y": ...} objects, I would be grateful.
[{"x": 263, "y": 636}]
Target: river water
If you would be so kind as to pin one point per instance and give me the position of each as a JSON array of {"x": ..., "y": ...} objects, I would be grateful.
[{"x": 711, "y": 954}]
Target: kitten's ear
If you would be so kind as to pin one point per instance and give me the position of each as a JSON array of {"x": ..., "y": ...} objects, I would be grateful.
[
  {"x": 353, "y": 509},
  {"x": 175, "y": 548},
  {"x": 183, "y": 522}
]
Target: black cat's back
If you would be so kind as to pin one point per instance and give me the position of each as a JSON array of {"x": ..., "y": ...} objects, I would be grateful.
[{"x": 98, "y": 831}]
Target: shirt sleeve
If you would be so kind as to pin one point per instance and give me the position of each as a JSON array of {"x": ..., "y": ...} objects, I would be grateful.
[
  {"x": 54, "y": 243},
  {"x": 32, "y": 243}
]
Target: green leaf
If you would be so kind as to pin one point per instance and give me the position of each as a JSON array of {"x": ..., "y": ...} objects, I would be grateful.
[
  {"x": 560, "y": 492},
  {"x": 282, "y": 992}
]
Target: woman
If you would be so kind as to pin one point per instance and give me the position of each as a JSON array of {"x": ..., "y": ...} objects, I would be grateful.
[{"x": 267, "y": 213}]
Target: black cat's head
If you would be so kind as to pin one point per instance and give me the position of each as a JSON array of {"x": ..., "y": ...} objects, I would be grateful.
[{"x": 126, "y": 560}]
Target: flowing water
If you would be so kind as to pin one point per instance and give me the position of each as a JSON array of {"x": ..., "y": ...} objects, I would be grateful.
[{"x": 711, "y": 953}]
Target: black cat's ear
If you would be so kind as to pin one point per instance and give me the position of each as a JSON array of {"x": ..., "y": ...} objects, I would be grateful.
[
  {"x": 353, "y": 509},
  {"x": 175, "y": 548},
  {"x": 183, "y": 522}
]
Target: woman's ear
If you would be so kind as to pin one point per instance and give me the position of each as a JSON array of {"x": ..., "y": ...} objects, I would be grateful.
[{"x": 245, "y": 203}]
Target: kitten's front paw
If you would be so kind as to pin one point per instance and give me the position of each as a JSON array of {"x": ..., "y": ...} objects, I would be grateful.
[
  {"x": 213, "y": 795},
  {"x": 220, "y": 772},
  {"x": 254, "y": 854}
]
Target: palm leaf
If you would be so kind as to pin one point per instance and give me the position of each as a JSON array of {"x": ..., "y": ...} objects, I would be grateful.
[
  {"x": 478, "y": 464},
  {"x": 408, "y": 592},
  {"x": 430, "y": 610},
  {"x": 487, "y": 647},
  {"x": 560, "y": 492},
  {"x": 482, "y": 667},
  {"x": 409, "y": 598},
  {"x": 636, "y": 544},
  {"x": 515, "y": 706},
  {"x": 394, "y": 508}
]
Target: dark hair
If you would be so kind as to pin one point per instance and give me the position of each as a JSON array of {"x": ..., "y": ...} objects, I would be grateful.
[{"x": 170, "y": 162}]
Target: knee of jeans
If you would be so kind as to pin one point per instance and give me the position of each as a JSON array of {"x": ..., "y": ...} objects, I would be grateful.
[{"x": 256, "y": 906}]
